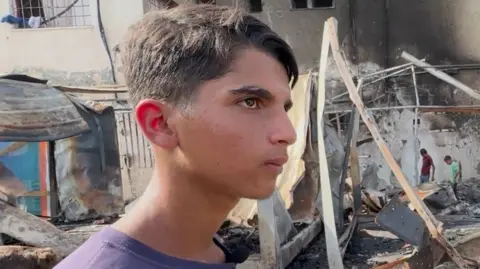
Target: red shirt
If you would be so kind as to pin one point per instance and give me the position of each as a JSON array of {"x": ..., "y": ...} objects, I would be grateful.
[{"x": 427, "y": 164}]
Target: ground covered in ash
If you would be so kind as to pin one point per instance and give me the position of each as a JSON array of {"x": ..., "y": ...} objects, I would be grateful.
[
  {"x": 361, "y": 249},
  {"x": 363, "y": 246}
]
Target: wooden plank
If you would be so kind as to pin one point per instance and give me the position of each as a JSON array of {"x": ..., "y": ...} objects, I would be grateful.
[
  {"x": 418, "y": 204},
  {"x": 333, "y": 249},
  {"x": 441, "y": 75},
  {"x": 291, "y": 249},
  {"x": 100, "y": 89},
  {"x": 35, "y": 231}
]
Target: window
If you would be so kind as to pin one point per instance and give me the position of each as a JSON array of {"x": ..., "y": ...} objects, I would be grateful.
[
  {"x": 308, "y": 4},
  {"x": 160, "y": 4},
  {"x": 212, "y": 2},
  {"x": 255, "y": 6},
  {"x": 50, "y": 13}
]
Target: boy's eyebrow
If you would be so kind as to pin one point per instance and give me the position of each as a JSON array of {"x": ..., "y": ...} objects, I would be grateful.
[
  {"x": 253, "y": 90},
  {"x": 260, "y": 93}
]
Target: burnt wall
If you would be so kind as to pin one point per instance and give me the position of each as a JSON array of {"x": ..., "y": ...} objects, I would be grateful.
[
  {"x": 303, "y": 28},
  {"x": 443, "y": 31},
  {"x": 369, "y": 30}
]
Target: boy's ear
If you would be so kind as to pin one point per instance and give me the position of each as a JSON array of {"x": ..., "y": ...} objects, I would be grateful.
[{"x": 152, "y": 117}]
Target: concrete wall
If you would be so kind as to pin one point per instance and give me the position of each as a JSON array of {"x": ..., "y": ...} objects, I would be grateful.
[{"x": 303, "y": 29}]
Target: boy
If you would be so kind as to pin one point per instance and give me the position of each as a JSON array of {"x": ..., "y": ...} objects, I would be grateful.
[
  {"x": 455, "y": 172},
  {"x": 211, "y": 90},
  {"x": 427, "y": 165}
]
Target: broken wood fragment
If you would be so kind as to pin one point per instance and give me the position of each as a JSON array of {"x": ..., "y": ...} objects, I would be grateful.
[
  {"x": 422, "y": 210},
  {"x": 35, "y": 231}
]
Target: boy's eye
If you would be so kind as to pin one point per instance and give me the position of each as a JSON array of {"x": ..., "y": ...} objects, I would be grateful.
[{"x": 250, "y": 103}]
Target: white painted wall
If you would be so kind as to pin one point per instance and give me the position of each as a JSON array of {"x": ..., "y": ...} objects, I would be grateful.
[{"x": 65, "y": 54}]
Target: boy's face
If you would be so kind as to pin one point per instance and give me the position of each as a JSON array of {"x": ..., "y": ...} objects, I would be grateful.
[
  {"x": 448, "y": 162},
  {"x": 235, "y": 136}
]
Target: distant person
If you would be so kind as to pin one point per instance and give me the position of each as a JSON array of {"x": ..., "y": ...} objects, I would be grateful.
[
  {"x": 428, "y": 168},
  {"x": 455, "y": 172}
]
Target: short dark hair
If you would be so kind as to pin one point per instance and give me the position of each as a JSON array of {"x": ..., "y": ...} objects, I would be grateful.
[
  {"x": 447, "y": 158},
  {"x": 423, "y": 151},
  {"x": 170, "y": 52}
]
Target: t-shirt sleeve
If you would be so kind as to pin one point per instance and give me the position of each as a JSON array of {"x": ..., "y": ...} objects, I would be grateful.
[{"x": 453, "y": 170}]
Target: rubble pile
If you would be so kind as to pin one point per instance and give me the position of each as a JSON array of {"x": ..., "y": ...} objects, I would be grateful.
[{"x": 373, "y": 246}]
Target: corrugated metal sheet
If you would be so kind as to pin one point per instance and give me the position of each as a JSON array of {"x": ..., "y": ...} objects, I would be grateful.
[
  {"x": 88, "y": 166},
  {"x": 31, "y": 111}
]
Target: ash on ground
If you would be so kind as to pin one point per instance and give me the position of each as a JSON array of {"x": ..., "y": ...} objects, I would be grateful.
[{"x": 362, "y": 247}]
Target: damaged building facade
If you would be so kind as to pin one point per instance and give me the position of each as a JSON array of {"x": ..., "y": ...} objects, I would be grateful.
[{"x": 79, "y": 49}]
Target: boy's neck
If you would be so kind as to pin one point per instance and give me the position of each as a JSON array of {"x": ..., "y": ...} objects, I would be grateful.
[{"x": 177, "y": 218}]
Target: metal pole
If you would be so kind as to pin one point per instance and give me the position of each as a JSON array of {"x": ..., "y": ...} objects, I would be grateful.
[
  {"x": 389, "y": 75},
  {"x": 415, "y": 124},
  {"x": 417, "y": 99},
  {"x": 381, "y": 72},
  {"x": 369, "y": 102}
]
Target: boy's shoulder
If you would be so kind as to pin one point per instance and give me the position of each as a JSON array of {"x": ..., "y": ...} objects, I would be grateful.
[{"x": 110, "y": 248}]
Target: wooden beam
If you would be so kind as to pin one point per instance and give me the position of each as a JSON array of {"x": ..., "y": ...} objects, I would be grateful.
[
  {"x": 441, "y": 75},
  {"x": 333, "y": 249},
  {"x": 292, "y": 248},
  {"x": 100, "y": 89},
  {"x": 422, "y": 210},
  {"x": 35, "y": 231}
]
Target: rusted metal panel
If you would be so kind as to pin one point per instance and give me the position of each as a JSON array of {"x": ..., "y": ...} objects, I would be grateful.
[
  {"x": 88, "y": 167},
  {"x": 31, "y": 111}
]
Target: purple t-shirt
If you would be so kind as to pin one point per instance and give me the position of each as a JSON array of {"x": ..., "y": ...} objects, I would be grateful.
[{"x": 111, "y": 249}]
